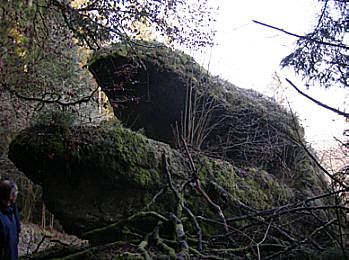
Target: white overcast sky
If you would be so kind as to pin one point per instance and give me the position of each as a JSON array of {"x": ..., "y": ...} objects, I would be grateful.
[{"x": 247, "y": 54}]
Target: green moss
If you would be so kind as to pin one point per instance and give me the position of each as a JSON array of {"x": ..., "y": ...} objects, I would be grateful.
[
  {"x": 252, "y": 171},
  {"x": 55, "y": 146},
  {"x": 257, "y": 188},
  {"x": 120, "y": 154},
  {"x": 142, "y": 177},
  {"x": 116, "y": 152},
  {"x": 130, "y": 256},
  {"x": 154, "y": 52}
]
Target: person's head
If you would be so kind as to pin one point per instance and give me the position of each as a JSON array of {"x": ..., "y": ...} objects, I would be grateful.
[{"x": 8, "y": 192}]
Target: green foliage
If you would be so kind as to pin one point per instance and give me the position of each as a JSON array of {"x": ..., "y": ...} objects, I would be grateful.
[
  {"x": 111, "y": 123},
  {"x": 321, "y": 56},
  {"x": 181, "y": 22},
  {"x": 63, "y": 118},
  {"x": 40, "y": 68},
  {"x": 40, "y": 60}
]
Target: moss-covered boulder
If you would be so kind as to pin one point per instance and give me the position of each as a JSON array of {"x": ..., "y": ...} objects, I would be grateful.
[
  {"x": 96, "y": 176},
  {"x": 167, "y": 94}
]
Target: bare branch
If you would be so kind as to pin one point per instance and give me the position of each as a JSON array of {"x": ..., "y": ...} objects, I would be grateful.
[
  {"x": 51, "y": 101},
  {"x": 304, "y": 37},
  {"x": 346, "y": 115}
]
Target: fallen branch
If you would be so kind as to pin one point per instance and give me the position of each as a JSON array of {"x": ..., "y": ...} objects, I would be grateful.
[
  {"x": 155, "y": 197},
  {"x": 262, "y": 241},
  {"x": 123, "y": 222},
  {"x": 142, "y": 247},
  {"x": 181, "y": 203},
  {"x": 181, "y": 237},
  {"x": 40, "y": 243},
  {"x": 169, "y": 251},
  {"x": 300, "y": 242},
  {"x": 198, "y": 187}
]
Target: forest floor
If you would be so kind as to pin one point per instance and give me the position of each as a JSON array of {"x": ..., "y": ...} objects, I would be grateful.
[{"x": 34, "y": 238}]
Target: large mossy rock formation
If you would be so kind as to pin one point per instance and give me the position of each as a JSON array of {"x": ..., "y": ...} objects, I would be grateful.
[
  {"x": 96, "y": 176},
  {"x": 159, "y": 90},
  {"x": 109, "y": 183}
]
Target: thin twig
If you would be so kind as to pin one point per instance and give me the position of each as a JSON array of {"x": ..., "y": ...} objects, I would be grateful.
[
  {"x": 155, "y": 197},
  {"x": 341, "y": 242},
  {"x": 273, "y": 256},
  {"x": 264, "y": 238}
]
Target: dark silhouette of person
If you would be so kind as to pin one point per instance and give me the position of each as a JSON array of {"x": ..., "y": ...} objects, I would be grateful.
[{"x": 10, "y": 226}]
